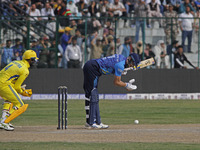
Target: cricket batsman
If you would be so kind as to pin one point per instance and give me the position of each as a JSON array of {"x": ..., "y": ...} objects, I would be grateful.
[
  {"x": 11, "y": 78},
  {"x": 92, "y": 70}
]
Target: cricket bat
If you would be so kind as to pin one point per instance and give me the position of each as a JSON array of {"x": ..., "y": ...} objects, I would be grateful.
[{"x": 142, "y": 64}]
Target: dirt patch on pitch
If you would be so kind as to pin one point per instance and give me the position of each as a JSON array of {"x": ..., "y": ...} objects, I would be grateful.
[{"x": 181, "y": 133}]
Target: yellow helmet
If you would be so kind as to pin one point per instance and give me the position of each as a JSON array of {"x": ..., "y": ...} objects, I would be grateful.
[{"x": 29, "y": 54}]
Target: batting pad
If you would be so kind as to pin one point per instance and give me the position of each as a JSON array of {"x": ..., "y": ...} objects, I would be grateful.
[{"x": 16, "y": 113}]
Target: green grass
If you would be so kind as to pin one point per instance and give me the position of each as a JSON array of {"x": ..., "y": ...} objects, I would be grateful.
[
  {"x": 44, "y": 112},
  {"x": 97, "y": 146},
  {"x": 115, "y": 112}
]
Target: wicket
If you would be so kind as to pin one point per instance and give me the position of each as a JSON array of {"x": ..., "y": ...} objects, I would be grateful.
[{"x": 62, "y": 107}]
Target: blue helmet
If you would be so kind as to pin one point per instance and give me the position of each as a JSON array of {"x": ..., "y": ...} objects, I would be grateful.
[{"x": 135, "y": 58}]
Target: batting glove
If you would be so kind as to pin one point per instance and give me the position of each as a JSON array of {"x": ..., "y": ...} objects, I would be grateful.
[
  {"x": 124, "y": 72},
  {"x": 129, "y": 86}
]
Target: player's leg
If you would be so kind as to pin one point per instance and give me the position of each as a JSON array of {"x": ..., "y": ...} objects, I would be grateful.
[
  {"x": 9, "y": 93},
  {"x": 95, "y": 117},
  {"x": 90, "y": 81},
  {"x": 5, "y": 112},
  {"x": 87, "y": 109},
  {"x": 7, "y": 106}
]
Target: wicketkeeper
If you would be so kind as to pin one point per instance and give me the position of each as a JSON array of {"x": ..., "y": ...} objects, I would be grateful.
[
  {"x": 11, "y": 78},
  {"x": 92, "y": 70}
]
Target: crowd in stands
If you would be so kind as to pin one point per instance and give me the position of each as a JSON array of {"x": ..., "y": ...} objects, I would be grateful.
[{"x": 74, "y": 42}]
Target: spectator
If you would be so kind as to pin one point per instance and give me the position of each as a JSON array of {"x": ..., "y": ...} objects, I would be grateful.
[
  {"x": 148, "y": 53},
  {"x": 73, "y": 54},
  {"x": 111, "y": 45},
  {"x": 139, "y": 48},
  {"x": 140, "y": 11},
  {"x": 33, "y": 11},
  {"x": 75, "y": 14},
  {"x": 73, "y": 25},
  {"x": 39, "y": 4},
  {"x": 28, "y": 3},
  {"x": 43, "y": 63},
  {"x": 124, "y": 49},
  {"x": 161, "y": 54},
  {"x": 183, "y": 7},
  {"x": 106, "y": 29},
  {"x": 118, "y": 45},
  {"x": 105, "y": 11},
  {"x": 47, "y": 11},
  {"x": 153, "y": 10},
  {"x": 79, "y": 38},
  {"x": 96, "y": 48},
  {"x": 129, "y": 5},
  {"x": 61, "y": 10},
  {"x": 82, "y": 8},
  {"x": 7, "y": 54},
  {"x": 16, "y": 6},
  {"x": 197, "y": 4},
  {"x": 186, "y": 24},
  {"x": 72, "y": 7},
  {"x": 171, "y": 25},
  {"x": 18, "y": 49},
  {"x": 65, "y": 40},
  {"x": 176, "y": 4},
  {"x": 105, "y": 45},
  {"x": 81, "y": 26},
  {"x": 52, "y": 62},
  {"x": 171, "y": 50},
  {"x": 179, "y": 59},
  {"x": 196, "y": 27},
  {"x": 80, "y": 42},
  {"x": 94, "y": 9},
  {"x": 96, "y": 24},
  {"x": 119, "y": 10},
  {"x": 35, "y": 46},
  {"x": 111, "y": 32}
]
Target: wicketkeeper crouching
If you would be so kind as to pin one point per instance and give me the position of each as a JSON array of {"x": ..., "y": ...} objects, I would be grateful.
[
  {"x": 11, "y": 78},
  {"x": 92, "y": 70}
]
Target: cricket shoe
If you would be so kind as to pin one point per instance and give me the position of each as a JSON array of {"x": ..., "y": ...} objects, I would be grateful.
[
  {"x": 93, "y": 126},
  {"x": 96, "y": 126},
  {"x": 1, "y": 126},
  {"x": 87, "y": 126},
  {"x": 7, "y": 127},
  {"x": 103, "y": 126},
  {"x": 11, "y": 125}
]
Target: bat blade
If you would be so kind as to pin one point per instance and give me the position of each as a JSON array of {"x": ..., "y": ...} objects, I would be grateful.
[
  {"x": 145, "y": 63},
  {"x": 142, "y": 64}
]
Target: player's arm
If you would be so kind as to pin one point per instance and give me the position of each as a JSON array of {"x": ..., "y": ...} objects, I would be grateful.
[
  {"x": 118, "y": 82},
  {"x": 19, "y": 82},
  {"x": 117, "y": 78}
]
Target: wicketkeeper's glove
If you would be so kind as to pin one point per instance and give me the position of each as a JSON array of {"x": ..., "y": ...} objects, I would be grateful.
[
  {"x": 27, "y": 92},
  {"x": 129, "y": 86}
]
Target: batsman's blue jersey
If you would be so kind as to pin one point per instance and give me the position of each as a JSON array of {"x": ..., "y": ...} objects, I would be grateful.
[{"x": 112, "y": 64}]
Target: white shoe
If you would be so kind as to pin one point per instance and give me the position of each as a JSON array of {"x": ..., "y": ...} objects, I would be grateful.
[
  {"x": 87, "y": 126},
  {"x": 104, "y": 126},
  {"x": 7, "y": 127},
  {"x": 10, "y": 125},
  {"x": 1, "y": 126},
  {"x": 96, "y": 126}
]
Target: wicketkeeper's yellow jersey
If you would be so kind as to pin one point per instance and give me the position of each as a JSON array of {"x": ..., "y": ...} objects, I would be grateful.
[{"x": 14, "y": 74}]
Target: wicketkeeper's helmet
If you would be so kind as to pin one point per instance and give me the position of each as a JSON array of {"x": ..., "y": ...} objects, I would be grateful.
[{"x": 29, "y": 54}]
